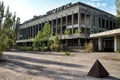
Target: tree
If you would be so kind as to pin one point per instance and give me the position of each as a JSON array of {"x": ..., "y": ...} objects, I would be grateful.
[
  {"x": 42, "y": 39},
  {"x": 55, "y": 45},
  {"x": 37, "y": 41},
  {"x": 46, "y": 31},
  {"x": 117, "y": 2},
  {"x": 7, "y": 22}
]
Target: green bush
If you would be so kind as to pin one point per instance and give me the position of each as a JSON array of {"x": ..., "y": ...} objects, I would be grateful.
[
  {"x": 55, "y": 44},
  {"x": 88, "y": 46},
  {"x": 67, "y": 32},
  {"x": 25, "y": 48},
  {"x": 76, "y": 31},
  {"x": 67, "y": 53},
  {"x": 54, "y": 47},
  {"x": 118, "y": 51}
]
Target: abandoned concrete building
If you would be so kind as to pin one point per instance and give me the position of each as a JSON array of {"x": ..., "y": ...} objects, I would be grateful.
[{"x": 81, "y": 19}]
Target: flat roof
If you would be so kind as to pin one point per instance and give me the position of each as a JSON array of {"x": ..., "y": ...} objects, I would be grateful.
[
  {"x": 74, "y": 4},
  {"x": 106, "y": 33}
]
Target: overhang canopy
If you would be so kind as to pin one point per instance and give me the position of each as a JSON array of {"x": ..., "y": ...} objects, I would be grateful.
[{"x": 106, "y": 33}]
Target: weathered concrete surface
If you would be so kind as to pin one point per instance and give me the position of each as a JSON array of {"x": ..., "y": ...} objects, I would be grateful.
[{"x": 56, "y": 66}]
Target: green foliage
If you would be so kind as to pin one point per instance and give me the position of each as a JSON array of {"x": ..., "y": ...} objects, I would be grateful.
[
  {"x": 42, "y": 39},
  {"x": 76, "y": 31},
  {"x": 67, "y": 53},
  {"x": 118, "y": 51},
  {"x": 118, "y": 22},
  {"x": 25, "y": 48},
  {"x": 46, "y": 31},
  {"x": 117, "y": 2},
  {"x": 67, "y": 32},
  {"x": 37, "y": 42},
  {"x": 55, "y": 45},
  {"x": 7, "y": 22},
  {"x": 88, "y": 46}
]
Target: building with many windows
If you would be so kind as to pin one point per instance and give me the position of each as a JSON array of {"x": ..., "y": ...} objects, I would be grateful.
[{"x": 79, "y": 18}]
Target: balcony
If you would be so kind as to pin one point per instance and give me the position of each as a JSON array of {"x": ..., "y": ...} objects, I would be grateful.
[
  {"x": 70, "y": 26},
  {"x": 25, "y": 40},
  {"x": 77, "y": 35}
]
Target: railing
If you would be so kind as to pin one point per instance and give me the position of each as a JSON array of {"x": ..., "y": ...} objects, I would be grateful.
[{"x": 77, "y": 35}]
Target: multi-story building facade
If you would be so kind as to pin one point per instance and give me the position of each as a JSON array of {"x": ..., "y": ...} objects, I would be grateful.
[{"x": 81, "y": 19}]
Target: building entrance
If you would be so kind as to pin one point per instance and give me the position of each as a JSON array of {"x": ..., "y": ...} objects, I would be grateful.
[{"x": 108, "y": 44}]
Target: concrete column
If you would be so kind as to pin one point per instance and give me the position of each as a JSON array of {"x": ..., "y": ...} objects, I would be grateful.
[
  {"x": 56, "y": 24},
  {"x": 99, "y": 43},
  {"x": 79, "y": 20},
  {"x": 72, "y": 21},
  {"x": 61, "y": 25},
  {"x": 112, "y": 25},
  {"x": 100, "y": 23},
  {"x": 85, "y": 25},
  {"x": 78, "y": 42},
  {"x": 109, "y": 24},
  {"x": 105, "y": 24},
  {"x": 52, "y": 26},
  {"x": 66, "y": 21},
  {"x": 66, "y": 43},
  {"x": 41, "y": 25},
  {"x": 33, "y": 31},
  {"x": 115, "y": 43},
  {"x": 30, "y": 32},
  {"x": 38, "y": 26}
]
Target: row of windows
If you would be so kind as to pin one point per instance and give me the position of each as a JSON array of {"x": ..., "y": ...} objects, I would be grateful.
[
  {"x": 31, "y": 31},
  {"x": 106, "y": 24}
]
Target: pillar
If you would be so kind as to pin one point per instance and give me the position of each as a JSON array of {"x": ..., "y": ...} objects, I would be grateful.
[
  {"x": 41, "y": 25},
  {"x": 115, "y": 43},
  {"x": 38, "y": 26},
  {"x": 79, "y": 42},
  {"x": 52, "y": 26},
  {"x": 56, "y": 24},
  {"x": 66, "y": 43},
  {"x": 109, "y": 24},
  {"x": 30, "y": 31},
  {"x": 72, "y": 21},
  {"x": 99, "y": 43},
  {"x": 33, "y": 31},
  {"x": 61, "y": 25},
  {"x": 86, "y": 25},
  {"x": 79, "y": 17},
  {"x": 105, "y": 24},
  {"x": 66, "y": 21}
]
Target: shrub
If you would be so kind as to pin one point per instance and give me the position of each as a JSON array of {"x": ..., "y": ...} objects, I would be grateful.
[
  {"x": 88, "y": 46},
  {"x": 118, "y": 51},
  {"x": 76, "y": 31},
  {"x": 67, "y": 32},
  {"x": 67, "y": 53},
  {"x": 25, "y": 48},
  {"x": 55, "y": 44}
]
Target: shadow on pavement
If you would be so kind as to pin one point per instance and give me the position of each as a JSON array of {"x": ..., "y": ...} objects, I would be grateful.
[{"x": 33, "y": 66}]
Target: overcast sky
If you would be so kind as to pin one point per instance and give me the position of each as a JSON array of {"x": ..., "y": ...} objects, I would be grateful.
[{"x": 26, "y": 9}]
